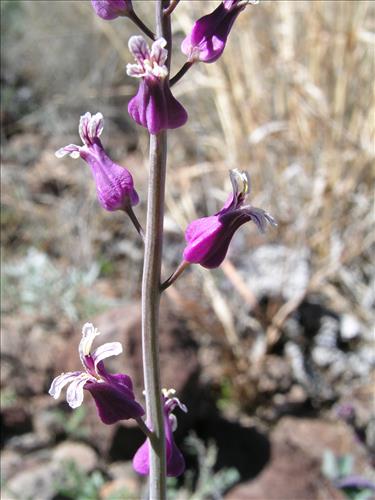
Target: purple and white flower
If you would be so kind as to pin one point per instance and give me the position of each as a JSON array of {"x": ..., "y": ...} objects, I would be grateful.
[
  {"x": 113, "y": 393},
  {"x": 207, "y": 39},
  {"x": 114, "y": 184},
  {"x": 154, "y": 106},
  {"x": 208, "y": 238},
  {"x": 175, "y": 459},
  {"x": 110, "y": 9}
]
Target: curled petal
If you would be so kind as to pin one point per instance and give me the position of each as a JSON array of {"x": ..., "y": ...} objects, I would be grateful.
[
  {"x": 105, "y": 351},
  {"x": 158, "y": 53},
  {"x": 260, "y": 217},
  {"x": 72, "y": 150},
  {"x": 60, "y": 382},
  {"x": 74, "y": 393},
  {"x": 135, "y": 70},
  {"x": 96, "y": 125},
  {"x": 90, "y": 127},
  {"x": 139, "y": 48},
  {"x": 83, "y": 127},
  {"x": 89, "y": 332}
]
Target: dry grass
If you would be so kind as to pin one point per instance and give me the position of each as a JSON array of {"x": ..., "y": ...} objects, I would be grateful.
[{"x": 291, "y": 101}]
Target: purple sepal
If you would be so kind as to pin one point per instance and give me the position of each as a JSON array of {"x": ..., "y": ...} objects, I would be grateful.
[
  {"x": 155, "y": 108},
  {"x": 207, "y": 39},
  {"x": 175, "y": 459},
  {"x": 110, "y": 9},
  {"x": 208, "y": 238},
  {"x": 114, "y": 402},
  {"x": 114, "y": 184}
]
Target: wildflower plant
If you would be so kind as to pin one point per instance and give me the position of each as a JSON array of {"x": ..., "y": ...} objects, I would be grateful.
[{"x": 207, "y": 239}]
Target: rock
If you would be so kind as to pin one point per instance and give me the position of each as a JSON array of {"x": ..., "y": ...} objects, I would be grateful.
[
  {"x": 294, "y": 470},
  {"x": 11, "y": 462},
  {"x": 350, "y": 327},
  {"x": 273, "y": 270},
  {"x": 27, "y": 442},
  {"x": 125, "y": 483},
  {"x": 24, "y": 148},
  {"x": 37, "y": 482},
  {"x": 82, "y": 455}
]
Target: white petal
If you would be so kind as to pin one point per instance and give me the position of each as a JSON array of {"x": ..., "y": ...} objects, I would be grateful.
[
  {"x": 83, "y": 126},
  {"x": 135, "y": 70},
  {"x": 240, "y": 181},
  {"x": 67, "y": 150},
  {"x": 139, "y": 48},
  {"x": 74, "y": 394},
  {"x": 59, "y": 382},
  {"x": 158, "y": 52},
  {"x": 105, "y": 351},
  {"x": 95, "y": 126},
  {"x": 75, "y": 155},
  {"x": 89, "y": 332}
]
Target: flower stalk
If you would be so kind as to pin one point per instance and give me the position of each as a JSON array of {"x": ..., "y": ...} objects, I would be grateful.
[{"x": 151, "y": 288}]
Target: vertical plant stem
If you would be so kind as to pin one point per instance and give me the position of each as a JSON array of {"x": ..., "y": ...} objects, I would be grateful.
[{"x": 151, "y": 289}]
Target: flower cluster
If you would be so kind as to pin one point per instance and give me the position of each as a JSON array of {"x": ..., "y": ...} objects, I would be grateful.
[
  {"x": 114, "y": 398},
  {"x": 207, "y": 239}
]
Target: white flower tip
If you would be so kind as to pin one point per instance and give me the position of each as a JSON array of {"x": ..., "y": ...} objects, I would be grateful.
[
  {"x": 160, "y": 42},
  {"x": 240, "y": 181},
  {"x": 60, "y": 153},
  {"x": 89, "y": 332},
  {"x": 137, "y": 45},
  {"x": 74, "y": 404},
  {"x": 167, "y": 393}
]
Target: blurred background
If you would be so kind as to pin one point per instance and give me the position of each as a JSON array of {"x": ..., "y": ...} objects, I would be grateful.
[{"x": 273, "y": 353}]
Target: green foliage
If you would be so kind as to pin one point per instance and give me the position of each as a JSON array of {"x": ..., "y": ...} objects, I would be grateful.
[
  {"x": 7, "y": 397},
  {"x": 73, "y": 424},
  {"x": 210, "y": 484},
  {"x": 226, "y": 394},
  {"x": 78, "y": 485},
  {"x": 35, "y": 283}
]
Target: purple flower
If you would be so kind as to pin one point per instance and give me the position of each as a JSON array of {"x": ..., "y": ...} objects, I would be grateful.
[
  {"x": 110, "y": 9},
  {"x": 113, "y": 394},
  {"x": 208, "y": 238},
  {"x": 207, "y": 39},
  {"x": 154, "y": 106},
  {"x": 114, "y": 184},
  {"x": 175, "y": 460}
]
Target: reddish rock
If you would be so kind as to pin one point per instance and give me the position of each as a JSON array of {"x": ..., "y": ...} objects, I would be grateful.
[{"x": 294, "y": 471}]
